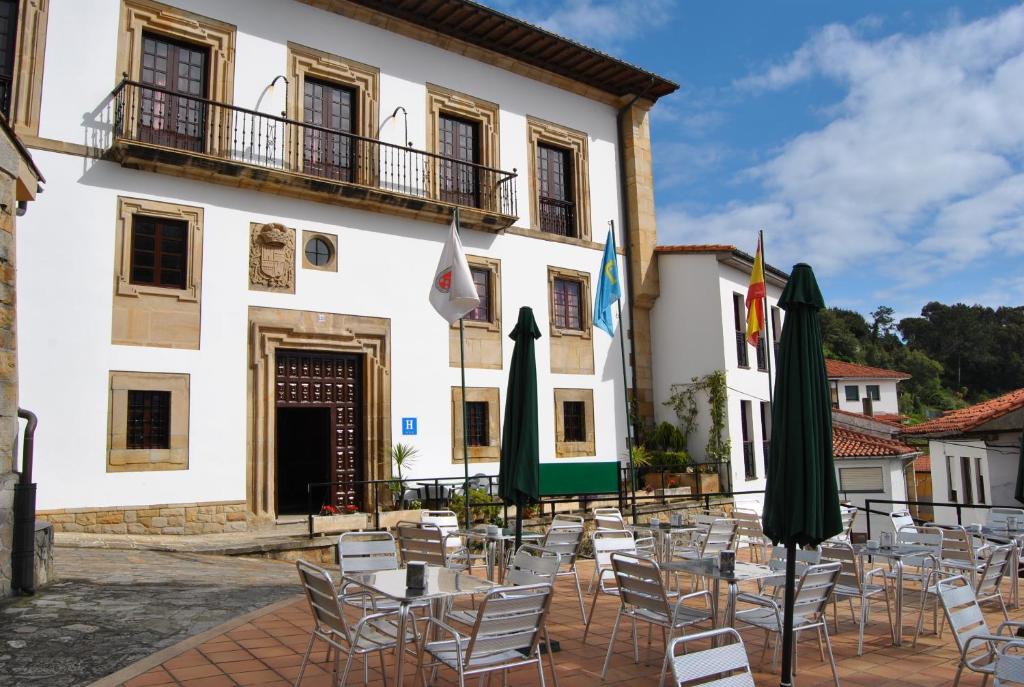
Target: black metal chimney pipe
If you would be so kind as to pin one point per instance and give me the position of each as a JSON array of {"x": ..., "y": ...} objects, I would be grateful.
[{"x": 23, "y": 557}]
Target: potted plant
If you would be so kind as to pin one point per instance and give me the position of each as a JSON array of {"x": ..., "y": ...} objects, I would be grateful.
[
  {"x": 332, "y": 520},
  {"x": 403, "y": 456}
]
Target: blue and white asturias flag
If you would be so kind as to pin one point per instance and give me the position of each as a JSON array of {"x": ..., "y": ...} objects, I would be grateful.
[{"x": 608, "y": 289}]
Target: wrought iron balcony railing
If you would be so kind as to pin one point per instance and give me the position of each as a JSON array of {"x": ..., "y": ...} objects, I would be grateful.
[
  {"x": 557, "y": 217},
  {"x": 6, "y": 89},
  {"x": 749, "y": 463},
  {"x": 741, "y": 349},
  {"x": 156, "y": 116}
]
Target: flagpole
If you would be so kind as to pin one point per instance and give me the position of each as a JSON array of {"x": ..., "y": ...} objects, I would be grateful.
[
  {"x": 625, "y": 391},
  {"x": 465, "y": 428},
  {"x": 769, "y": 341}
]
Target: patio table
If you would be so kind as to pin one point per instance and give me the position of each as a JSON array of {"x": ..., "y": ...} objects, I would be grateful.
[
  {"x": 495, "y": 546},
  {"x": 663, "y": 532},
  {"x": 708, "y": 568},
  {"x": 440, "y": 584},
  {"x": 1002, "y": 535},
  {"x": 895, "y": 555}
]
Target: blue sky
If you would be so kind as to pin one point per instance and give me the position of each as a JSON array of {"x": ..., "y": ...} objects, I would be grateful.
[{"x": 880, "y": 141}]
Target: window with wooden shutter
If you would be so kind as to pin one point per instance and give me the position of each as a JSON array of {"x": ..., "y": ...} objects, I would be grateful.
[
  {"x": 332, "y": 107},
  {"x": 567, "y": 304},
  {"x": 574, "y": 421},
  {"x": 476, "y": 423},
  {"x": 861, "y": 479},
  {"x": 482, "y": 281}
]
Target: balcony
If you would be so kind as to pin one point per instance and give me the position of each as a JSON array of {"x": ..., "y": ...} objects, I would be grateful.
[
  {"x": 158, "y": 130},
  {"x": 749, "y": 463}
]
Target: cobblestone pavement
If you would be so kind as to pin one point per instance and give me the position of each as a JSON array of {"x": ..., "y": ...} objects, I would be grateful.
[{"x": 110, "y": 608}]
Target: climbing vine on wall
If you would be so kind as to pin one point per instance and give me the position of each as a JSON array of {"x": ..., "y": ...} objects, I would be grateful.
[{"x": 683, "y": 401}]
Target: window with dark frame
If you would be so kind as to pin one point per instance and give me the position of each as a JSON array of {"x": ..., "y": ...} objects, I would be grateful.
[
  {"x": 980, "y": 479},
  {"x": 477, "y": 423},
  {"x": 149, "y": 420},
  {"x": 965, "y": 480},
  {"x": 950, "y": 490},
  {"x": 173, "y": 112},
  {"x": 567, "y": 295},
  {"x": 159, "y": 252},
  {"x": 762, "y": 353},
  {"x": 852, "y": 392},
  {"x": 8, "y": 36},
  {"x": 776, "y": 331},
  {"x": 574, "y": 422},
  {"x": 482, "y": 281},
  {"x": 739, "y": 321},
  {"x": 327, "y": 105},
  {"x": 766, "y": 431},
  {"x": 555, "y": 190},
  {"x": 318, "y": 251},
  {"x": 459, "y": 144},
  {"x": 873, "y": 392},
  {"x": 749, "y": 463}
]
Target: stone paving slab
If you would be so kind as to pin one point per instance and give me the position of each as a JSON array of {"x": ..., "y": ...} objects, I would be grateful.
[{"x": 111, "y": 608}]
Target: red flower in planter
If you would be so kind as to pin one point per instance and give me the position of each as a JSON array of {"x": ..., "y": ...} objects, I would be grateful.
[
  {"x": 673, "y": 483},
  {"x": 351, "y": 508},
  {"x": 328, "y": 509}
]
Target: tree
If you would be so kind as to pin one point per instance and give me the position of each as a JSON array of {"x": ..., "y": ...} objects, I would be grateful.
[{"x": 882, "y": 322}]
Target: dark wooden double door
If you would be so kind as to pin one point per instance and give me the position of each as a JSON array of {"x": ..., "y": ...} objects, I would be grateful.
[
  {"x": 174, "y": 112},
  {"x": 319, "y": 413}
]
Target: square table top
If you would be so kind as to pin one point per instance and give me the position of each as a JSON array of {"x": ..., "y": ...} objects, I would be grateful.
[
  {"x": 894, "y": 552},
  {"x": 667, "y": 527},
  {"x": 708, "y": 567},
  {"x": 507, "y": 534},
  {"x": 439, "y": 582}
]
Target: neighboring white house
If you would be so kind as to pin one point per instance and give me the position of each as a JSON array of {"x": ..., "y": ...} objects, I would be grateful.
[
  {"x": 975, "y": 454},
  {"x": 223, "y": 291},
  {"x": 864, "y": 389},
  {"x": 871, "y": 463},
  {"x": 698, "y": 327}
]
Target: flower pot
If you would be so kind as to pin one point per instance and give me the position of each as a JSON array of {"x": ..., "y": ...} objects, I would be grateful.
[
  {"x": 664, "y": 480},
  {"x": 333, "y": 524},
  {"x": 390, "y": 519},
  {"x": 709, "y": 484}
]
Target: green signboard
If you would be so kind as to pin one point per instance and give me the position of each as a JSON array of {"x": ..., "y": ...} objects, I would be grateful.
[{"x": 572, "y": 479}]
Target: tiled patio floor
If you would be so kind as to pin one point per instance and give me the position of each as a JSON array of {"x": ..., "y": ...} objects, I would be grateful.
[{"x": 268, "y": 649}]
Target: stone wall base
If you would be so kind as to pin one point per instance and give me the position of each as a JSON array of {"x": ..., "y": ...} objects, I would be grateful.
[{"x": 168, "y": 518}]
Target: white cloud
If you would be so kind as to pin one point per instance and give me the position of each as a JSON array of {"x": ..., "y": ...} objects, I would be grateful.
[
  {"x": 917, "y": 171},
  {"x": 606, "y": 24}
]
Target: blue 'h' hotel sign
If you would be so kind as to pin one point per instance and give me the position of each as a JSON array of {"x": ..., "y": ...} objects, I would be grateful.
[{"x": 408, "y": 426}]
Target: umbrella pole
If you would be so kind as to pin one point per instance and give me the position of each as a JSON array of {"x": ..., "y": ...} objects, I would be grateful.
[
  {"x": 786, "y": 679},
  {"x": 465, "y": 429}
]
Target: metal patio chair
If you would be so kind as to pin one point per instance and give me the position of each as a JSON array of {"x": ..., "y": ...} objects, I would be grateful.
[
  {"x": 373, "y": 633},
  {"x": 566, "y": 540},
  {"x": 723, "y": 665},
  {"x": 978, "y": 646},
  {"x": 609, "y": 519},
  {"x": 643, "y": 598},
  {"x": 750, "y": 534},
  {"x": 855, "y": 583},
  {"x": 506, "y": 634},
  {"x": 1009, "y": 668},
  {"x": 605, "y": 543},
  {"x": 812, "y": 594},
  {"x": 848, "y": 516},
  {"x": 420, "y": 541}
]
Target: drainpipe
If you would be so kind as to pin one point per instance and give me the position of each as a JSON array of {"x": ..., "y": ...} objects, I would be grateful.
[
  {"x": 24, "y": 554},
  {"x": 626, "y": 229}
]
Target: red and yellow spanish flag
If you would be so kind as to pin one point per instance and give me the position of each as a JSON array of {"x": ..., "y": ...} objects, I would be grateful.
[{"x": 755, "y": 299}]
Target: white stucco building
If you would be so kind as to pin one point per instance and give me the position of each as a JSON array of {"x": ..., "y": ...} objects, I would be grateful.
[
  {"x": 699, "y": 325},
  {"x": 975, "y": 454},
  {"x": 223, "y": 291},
  {"x": 871, "y": 463},
  {"x": 864, "y": 389}
]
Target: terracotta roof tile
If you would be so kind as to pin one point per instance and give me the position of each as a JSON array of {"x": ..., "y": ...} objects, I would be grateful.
[
  {"x": 964, "y": 419},
  {"x": 849, "y": 444},
  {"x": 837, "y": 369},
  {"x": 923, "y": 463}
]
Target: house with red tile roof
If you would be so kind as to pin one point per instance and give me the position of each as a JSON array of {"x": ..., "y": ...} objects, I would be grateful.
[
  {"x": 862, "y": 388},
  {"x": 872, "y": 463},
  {"x": 698, "y": 325},
  {"x": 974, "y": 453}
]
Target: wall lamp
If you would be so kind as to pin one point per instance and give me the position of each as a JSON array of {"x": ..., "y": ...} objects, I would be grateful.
[{"x": 405, "y": 117}]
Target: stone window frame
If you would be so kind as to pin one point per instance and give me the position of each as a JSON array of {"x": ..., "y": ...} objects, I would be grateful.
[
  {"x": 127, "y": 208},
  {"x": 586, "y": 317},
  {"x": 122, "y": 459},
  {"x": 492, "y": 265},
  {"x": 138, "y": 16},
  {"x": 477, "y": 454},
  {"x": 364, "y": 79},
  {"x": 29, "y": 52},
  {"x": 442, "y": 100},
  {"x": 574, "y": 449},
  {"x": 540, "y": 131},
  {"x": 332, "y": 241}
]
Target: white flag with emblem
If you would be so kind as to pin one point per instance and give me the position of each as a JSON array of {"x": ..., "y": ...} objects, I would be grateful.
[{"x": 453, "y": 293}]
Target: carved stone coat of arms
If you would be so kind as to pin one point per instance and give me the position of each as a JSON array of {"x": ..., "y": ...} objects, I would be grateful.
[{"x": 271, "y": 257}]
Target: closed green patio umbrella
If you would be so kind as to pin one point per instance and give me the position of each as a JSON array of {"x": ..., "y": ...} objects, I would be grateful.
[
  {"x": 801, "y": 500},
  {"x": 519, "y": 472}
]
